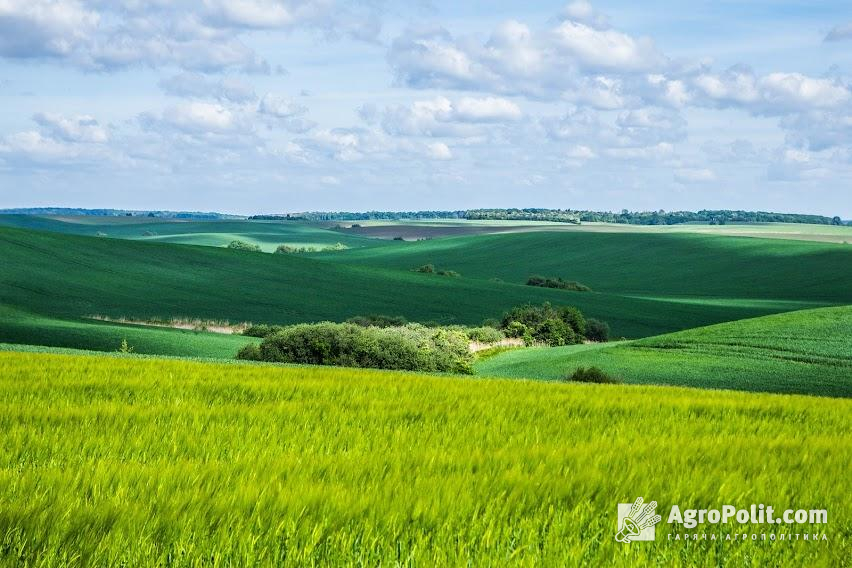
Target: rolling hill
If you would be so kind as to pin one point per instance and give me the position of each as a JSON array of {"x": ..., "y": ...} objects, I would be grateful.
[{"x": 644, "y": 285}]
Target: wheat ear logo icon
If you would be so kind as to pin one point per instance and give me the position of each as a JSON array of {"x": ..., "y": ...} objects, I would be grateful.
[{"x": 639, "y": 518}]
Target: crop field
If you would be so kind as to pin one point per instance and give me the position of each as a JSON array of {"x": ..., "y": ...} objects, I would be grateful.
[
  {"x": 121, "y": 461},
  {"x": 643, "y": 285},
  {"x": 26, "y": 328},
  {"x": 807, "y": 351},
  {"x": 266, "y": 234}
]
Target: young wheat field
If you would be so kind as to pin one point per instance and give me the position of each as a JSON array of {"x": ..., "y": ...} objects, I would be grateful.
[{"x": 120, "y": 461}]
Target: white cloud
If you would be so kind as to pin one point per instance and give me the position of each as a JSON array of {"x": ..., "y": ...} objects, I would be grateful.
[
  {"x": 201, "y": 36},
  {"x": 582, "y": 11},
  {"x": 443, "y": 117},
  {"x": 580, "y": 152},
  {"x": 606, "y": 49},
  {"x": 439, "y": 151},
  {"x": 489, "y": 109},
  {"x": 81, "y": 128}
]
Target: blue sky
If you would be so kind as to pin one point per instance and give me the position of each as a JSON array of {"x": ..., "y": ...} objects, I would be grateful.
[{"x": 280, "y": 105}]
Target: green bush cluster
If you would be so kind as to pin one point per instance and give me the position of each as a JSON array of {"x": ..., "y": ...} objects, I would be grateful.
[
  {"x": 430, "y": 269},
  {"x": 378, "y": 320},
  {"x": 242, "y": 245},
  {"x": 597, "y": 330},
  {"x": 289, "y": 249},
  {"x": 485, "y": 334},
  {"x": 557, "y": 283},
  {"x": 564, "y": 325},
  {"x": 592, "y": 375},
  {"x": 412, "y": 347},
  {"x": 261, "y": 330}
]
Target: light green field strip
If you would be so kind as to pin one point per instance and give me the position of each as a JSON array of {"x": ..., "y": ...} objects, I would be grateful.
[{"x": 117, "y": 461}]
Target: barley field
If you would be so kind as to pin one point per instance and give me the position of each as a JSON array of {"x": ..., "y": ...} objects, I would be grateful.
[{"x": 121, "y": 461}]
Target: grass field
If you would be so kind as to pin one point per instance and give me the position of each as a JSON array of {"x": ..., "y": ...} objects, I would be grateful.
[
  {"x": 808, "y": 351},
  {"x": 644, "y": 285},
  {"x": 26, "y": 328},
  {"x": 121, "y": 461}
]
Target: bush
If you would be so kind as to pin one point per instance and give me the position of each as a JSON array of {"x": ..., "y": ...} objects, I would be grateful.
[
  {"x": 564, "y": 325},
  {"x": 450, "y": 273},
  {"x": 554, "y": 332},
  {"x": 412, "y": 347},
  {"x": 426, "y": 269},
  {"x": 374, "y": 320},
  {"x": 242, "y": 245},
  {"x": 557, "y": 283},
  {"x": 261, "y": 330},
  {"x": 592, "y": 375},
  {"x": 597, "y": 330},
  {"x": 573, "y": 318},
  {"x": 250, "y": 352},
  {"x": 485, "y": 334}
]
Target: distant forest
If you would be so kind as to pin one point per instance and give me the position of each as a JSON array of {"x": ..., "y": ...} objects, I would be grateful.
[
  {"x": 713, "y": 217},
  {"x": 73, "y": 211},
  {"x": 575, "y": 216}
]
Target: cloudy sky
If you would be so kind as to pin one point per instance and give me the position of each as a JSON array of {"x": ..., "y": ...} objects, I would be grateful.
[{"x": 285, "y": 105}]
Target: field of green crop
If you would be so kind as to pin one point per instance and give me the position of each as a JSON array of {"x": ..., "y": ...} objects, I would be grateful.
[
  {"x": 808, "y": 351},
  {"x": 644, "y": 284},
  {"x": 266, "y": 234},
  {"x": 27, "y": 328},
  {"x": 121, "y": 461}
]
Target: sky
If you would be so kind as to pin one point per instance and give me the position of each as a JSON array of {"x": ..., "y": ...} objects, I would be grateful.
[{"x": 272, "y": 106}]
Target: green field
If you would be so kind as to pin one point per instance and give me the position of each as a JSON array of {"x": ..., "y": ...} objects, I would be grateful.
[
  {"x": 121, "y": 461},
  {"x": 32, "y": 329},
  {"x": 808, "y": 351},
  {"x": 643, "y": 285}
]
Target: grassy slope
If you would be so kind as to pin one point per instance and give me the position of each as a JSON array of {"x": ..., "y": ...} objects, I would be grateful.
[
  {"x": 32, "y": 329},
  {"x": 121, "y": 461},
  {"x": 266, "y": 234},
  {"x": 808, "y": 351},
  {"x": 68, "y": 276},
  {"x": 654, "y": 265}
]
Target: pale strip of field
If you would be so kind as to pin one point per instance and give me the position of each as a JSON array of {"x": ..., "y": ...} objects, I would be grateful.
[{"x": 454, "y": 227}]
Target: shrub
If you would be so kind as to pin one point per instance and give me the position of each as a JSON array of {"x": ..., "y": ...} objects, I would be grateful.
[
  {"x": 261, "y": 330},
  {"x": 412, "y": 347},
  {"x": 557, "y": 283},
  {"x": 377, "y": 321},
  {"x": 573, "y": 318},
  {"x": 426, "y": 269},
  {"x": 597, "y": 330},
  {"x": 250, "y": 352},
  {"x": 485, "y": 334},
  {"x": 450, "y": 273},
  {"x": 554, "y": 326},
  {"x": 554, "y": 332},
  {"x": 242, "y": 245},
  {"x": 592, "y": 375},
  {"x": 398, "y": 239}
]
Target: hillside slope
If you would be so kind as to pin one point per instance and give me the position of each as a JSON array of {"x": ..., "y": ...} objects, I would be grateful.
[
  {"x": 67, "y": 276},
  {"x": 808, "y": 352}
]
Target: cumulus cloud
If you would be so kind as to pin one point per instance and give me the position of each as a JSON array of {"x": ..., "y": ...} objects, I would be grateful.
[
  {"x": 443, "y": 117},
  {"x": 201, "y": 36},
  {"x": 81, "y": 128}
]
